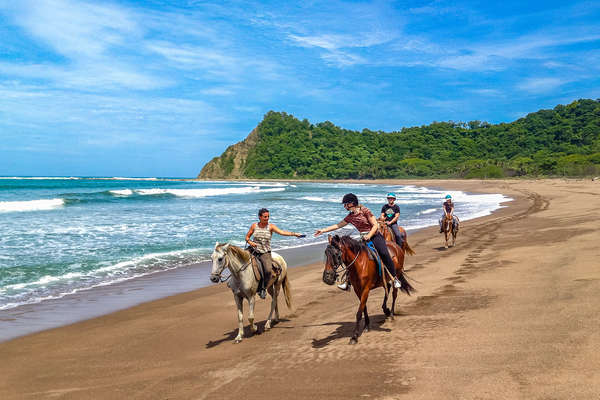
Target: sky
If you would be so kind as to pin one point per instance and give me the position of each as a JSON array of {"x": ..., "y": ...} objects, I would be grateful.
[{"x": 158, "y": 88}]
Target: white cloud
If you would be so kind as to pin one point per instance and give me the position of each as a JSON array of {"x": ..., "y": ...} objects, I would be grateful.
[{"x": 541, "y": 85}]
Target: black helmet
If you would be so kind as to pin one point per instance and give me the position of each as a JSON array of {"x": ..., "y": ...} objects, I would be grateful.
[{"x": 350, "y": 198}]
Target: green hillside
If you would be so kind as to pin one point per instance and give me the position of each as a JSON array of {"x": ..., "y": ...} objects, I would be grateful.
[{"x": 564, "y": 141}]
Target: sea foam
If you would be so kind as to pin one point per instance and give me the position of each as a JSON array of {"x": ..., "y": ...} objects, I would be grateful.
[{"x": 31, "y": 205}]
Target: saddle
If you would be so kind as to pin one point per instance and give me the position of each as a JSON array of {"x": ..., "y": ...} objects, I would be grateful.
[
  {"x": 256, "y": 263},
  {"x": 374, "y": 255}
]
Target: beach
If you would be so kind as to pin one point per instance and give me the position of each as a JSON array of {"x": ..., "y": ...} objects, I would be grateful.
[{"x": 510, "y": 312}]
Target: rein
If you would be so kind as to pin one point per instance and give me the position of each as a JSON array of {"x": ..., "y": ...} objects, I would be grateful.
[{"x": 242, "y": 269}]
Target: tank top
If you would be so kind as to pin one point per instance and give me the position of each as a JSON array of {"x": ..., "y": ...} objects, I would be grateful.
[{"x": 262, "y": 238}]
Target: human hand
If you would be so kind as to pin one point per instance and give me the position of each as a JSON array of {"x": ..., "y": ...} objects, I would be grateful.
[
  {"x": 318, "y": 232},
  {"x": 366, "y": 238},
  {"x": 299, "y": 235}
]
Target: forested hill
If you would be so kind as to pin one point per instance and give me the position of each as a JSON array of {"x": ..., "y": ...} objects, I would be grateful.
[{"x": 561, "y": 141}]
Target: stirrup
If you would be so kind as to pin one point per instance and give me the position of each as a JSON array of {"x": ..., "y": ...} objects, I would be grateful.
[{"x": 397, "y": 283}]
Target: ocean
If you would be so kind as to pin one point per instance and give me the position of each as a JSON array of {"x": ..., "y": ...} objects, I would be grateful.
[{"x": 65, "y": 235}]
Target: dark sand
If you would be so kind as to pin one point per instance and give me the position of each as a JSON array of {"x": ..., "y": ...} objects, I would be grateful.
[{"x": 511, "y": 312}]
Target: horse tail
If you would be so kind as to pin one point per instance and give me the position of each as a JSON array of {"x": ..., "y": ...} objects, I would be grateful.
[
  {"x": 406, "y": 287},
  {"x": 287, "y": 291},
  {"x": 407, "y": 248}
]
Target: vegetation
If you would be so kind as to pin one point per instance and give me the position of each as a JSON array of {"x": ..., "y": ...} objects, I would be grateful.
[{"x": 564, "y": 141}]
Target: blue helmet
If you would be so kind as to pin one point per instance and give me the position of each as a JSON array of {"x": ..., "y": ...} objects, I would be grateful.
[
  {"x": 448, "y": 196},
  {"x": 391, "y": 194}
]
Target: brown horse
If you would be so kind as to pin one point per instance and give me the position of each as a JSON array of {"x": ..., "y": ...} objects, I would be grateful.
[
  {"x": 363, "y": 274},
  {"x": 388, "y": 235},
  {"x": 449, "y": 229}
]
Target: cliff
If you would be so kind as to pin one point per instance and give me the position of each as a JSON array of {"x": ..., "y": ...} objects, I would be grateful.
[{"x": 230, "y": 164}]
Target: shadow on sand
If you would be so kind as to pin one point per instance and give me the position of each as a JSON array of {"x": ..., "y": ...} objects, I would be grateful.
[
  {"x": 346, "y": 329},
  {"x": 229, "y": 336}
]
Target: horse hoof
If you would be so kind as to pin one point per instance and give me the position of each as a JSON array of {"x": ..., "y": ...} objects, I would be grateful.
[
  {"x": 268, "y": 326},
  {"x": 237, "y": 340},
  {"x": 366, "y": 329},
  {"x": 353, "y": 341},
  {"x": 387, "y": 312}
]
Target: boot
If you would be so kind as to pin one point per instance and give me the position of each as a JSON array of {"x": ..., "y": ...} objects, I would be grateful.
[{"x": 262, "y": 293}]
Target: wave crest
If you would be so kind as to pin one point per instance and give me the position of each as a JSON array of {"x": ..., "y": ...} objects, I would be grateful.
[{"x": 31, "y": 205}]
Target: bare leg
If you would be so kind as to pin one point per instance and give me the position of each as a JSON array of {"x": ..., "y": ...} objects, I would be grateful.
[{"x": 239, "y": 301}]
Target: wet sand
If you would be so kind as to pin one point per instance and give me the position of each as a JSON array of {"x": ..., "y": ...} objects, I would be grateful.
[{"x": 510, "y": 312}]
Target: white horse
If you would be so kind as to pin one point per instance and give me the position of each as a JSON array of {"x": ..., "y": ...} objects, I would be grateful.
[{"x": 244, "y": 285}]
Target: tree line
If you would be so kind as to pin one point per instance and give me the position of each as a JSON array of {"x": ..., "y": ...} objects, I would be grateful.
[{"x": 564, "y": 141}]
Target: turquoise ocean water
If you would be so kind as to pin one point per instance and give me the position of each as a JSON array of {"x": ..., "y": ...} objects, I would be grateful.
[{"x": 61, "y": 236}]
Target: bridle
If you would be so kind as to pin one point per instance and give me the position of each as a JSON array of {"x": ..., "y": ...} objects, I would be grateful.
[{"x": 227, "y": 263}]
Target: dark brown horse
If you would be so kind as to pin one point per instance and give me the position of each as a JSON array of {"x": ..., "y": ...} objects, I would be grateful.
[
  {"x": 449, "y": 229},
  {"x": 388, "y": 235},
  {"x": 363, "y": 274}
]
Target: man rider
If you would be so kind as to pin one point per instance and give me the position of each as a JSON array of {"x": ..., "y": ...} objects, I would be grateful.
[{"x": 391, "y": 212}]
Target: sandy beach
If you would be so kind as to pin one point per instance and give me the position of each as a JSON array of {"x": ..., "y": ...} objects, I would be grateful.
[{"x": 510, "y": 312}]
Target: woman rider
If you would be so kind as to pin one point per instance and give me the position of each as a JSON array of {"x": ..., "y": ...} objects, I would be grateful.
[
  {"x": 390, "y": 212},
  {"x": 261, "y": 245},
  {"x": 448, "y": 208},
  {"x": 363, "y": 220}
]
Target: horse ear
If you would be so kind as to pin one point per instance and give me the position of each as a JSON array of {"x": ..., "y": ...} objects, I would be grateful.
[
  {"x": 225, "y": 246},
  {"x": 216, "y": 245}
]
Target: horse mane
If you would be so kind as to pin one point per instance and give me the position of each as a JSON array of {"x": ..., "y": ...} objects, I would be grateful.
[
  {"x": 354, "y": 245},
  {"x": 240, "y": 253}
]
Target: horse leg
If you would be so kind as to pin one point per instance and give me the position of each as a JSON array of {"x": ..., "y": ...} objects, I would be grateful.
[
  {"x": 367, "y": 321},
  {"x": 394, "y": 296},
  {"x": 239, "y": 301},
  {"x": 446, "y": 236},
  {"x": 273, "y": 293},
  {"x": 363, "y": 304},
  {"x": 384, "y": 307},
  {"x": 276, "y": 289},
  {"x": 251, "y": 303}
]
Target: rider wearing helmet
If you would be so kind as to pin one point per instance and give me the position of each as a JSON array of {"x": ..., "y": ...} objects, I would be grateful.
[
  {"x": 390, "y": 212},
  {"x": 448, "y": 208},
  {"x": 363, "y": 220}
]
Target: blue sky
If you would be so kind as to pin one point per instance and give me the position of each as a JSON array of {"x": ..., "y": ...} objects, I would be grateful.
[{"x": 158, "y": 88}]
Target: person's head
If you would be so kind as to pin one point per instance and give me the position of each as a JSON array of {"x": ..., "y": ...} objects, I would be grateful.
[
  {"x": 350, "y": 200},
  {"x": 391, "y": 197},
  {"x": 263, "y": 215},
  {"x": 448, "y": 198}
]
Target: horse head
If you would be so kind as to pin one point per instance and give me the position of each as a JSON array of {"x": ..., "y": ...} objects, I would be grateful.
[
  {"x": 218, "y": 261},
  {"x": 333, "y": 260}
]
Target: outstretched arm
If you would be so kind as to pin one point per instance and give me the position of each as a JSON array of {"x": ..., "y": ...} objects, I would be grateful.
[
  {"x": 275, "y": 229},
  {"x": 330, "y": 228}
]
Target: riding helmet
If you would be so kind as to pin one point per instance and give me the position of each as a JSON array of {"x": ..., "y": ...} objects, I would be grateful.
[
  {"x": 350, "y": 198},
  {"x": 448, "y": 196}
]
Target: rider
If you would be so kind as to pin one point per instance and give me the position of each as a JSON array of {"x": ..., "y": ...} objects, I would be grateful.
[
  {"x": 363, "y": 220},
  {"x": 448, "y": 207},
  {"x": 390, "y": 212},
  {"x": 261, "y": 244}
]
